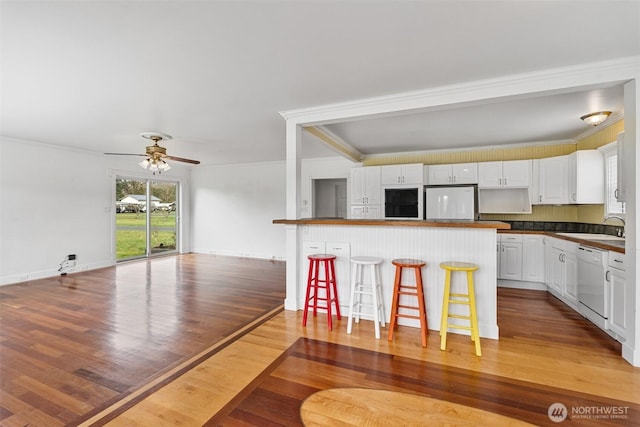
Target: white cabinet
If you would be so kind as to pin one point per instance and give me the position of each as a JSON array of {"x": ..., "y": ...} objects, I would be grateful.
[
  {"x": 513, "y": 174},
  {"x": 616, "y": 276},
  {"x": 563, "y": 277},
  {"x": 365, "y": 212},
  {"x": 459, "y": 173},
  {"x": 402, "y": 174},
  {"x": 586, "y": 177},
  {"x": 533, "y": 258},
  {"x": 621, "y": 195},
  {"x": 365, "y": 185},
  {"x": 553, "y": 180},
  {"x": 510, "y": 257},
  {"x": 365, "y": 192}
]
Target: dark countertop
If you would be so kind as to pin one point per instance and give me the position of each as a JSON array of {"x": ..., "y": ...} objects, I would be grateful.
[{"x": 609, "y": 245}]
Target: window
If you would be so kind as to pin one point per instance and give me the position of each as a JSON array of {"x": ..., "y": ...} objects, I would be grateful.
[{"x": 612, "y": 205}]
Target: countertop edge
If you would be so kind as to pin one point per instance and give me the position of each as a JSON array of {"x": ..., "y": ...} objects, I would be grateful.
[{"x": 396, "y": 223}]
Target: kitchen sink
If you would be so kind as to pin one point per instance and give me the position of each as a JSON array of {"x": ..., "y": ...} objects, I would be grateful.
[{"x": 592, "y": 236}]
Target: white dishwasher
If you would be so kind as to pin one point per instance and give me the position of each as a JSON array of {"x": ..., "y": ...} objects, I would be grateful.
[{"x": 593, "y": 291}]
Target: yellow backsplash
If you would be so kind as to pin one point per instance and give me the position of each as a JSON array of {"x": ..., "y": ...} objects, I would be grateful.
[{"x": 592, "y": 214}]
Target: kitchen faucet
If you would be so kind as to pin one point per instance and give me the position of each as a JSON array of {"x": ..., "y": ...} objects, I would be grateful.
[{"x": 608, "y": 217}]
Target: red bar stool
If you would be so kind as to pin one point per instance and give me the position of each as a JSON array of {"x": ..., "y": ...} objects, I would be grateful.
[
  {"x": 416, "y": 291},
  {"x": 328, "y": 284}
]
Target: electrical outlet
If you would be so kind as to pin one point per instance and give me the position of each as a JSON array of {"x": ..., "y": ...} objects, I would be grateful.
[{"x": 71, "y": 257}]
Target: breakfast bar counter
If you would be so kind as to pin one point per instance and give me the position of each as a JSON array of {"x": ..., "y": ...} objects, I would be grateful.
[{"x": 431, "y": 241}]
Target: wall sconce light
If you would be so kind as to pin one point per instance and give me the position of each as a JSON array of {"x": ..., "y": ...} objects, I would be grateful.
[{"x": 596, "y": 118}]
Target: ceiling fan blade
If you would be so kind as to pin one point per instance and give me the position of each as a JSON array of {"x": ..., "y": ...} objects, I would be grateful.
[
  {"x": 125, "y": 154},
  {"x": 181, "y": 159}
]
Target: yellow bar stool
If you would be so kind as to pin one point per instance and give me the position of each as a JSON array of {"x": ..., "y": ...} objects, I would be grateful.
[{"x": 468, "y": 299}]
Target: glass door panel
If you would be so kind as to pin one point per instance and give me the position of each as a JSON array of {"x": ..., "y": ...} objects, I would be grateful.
[
  {"x": 131, "y": 218},
  {"x": 163, "y": 223}
]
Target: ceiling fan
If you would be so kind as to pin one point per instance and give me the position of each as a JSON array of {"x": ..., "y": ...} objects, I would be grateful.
[{"x": 156, "y": 156}]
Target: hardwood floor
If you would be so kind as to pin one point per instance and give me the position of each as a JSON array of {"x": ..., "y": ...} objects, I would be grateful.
[
  {"x": 71, "y": 346},
  {"x": 547, "y": 353}
]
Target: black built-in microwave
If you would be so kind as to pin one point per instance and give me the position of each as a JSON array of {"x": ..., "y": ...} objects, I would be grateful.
[{"x": 403, "y": 203}]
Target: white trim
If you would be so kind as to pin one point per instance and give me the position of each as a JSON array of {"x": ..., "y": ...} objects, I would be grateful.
[{"x": 557, "y": 80}]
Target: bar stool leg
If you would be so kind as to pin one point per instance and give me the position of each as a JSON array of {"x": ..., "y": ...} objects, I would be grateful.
[
  {"x": 327, "y": 292},
  {"x": 306, "y": 299},
  {"x": 396, "y": 298},
  {"x": 334, "y": 298},
  {"x": 445, "y": 310},
  {"x": 354, "y": 283},
  {"x": 380, "y": 307},
  {"x": 421, "y": 308},
  {"x": 475, "y": 333},
  {"x": 374, "y": 296}
]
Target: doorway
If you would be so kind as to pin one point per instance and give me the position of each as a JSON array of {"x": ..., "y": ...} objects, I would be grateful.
[
  {"x": 330, "y": 198},
  {"x": 146, "y": 221}
]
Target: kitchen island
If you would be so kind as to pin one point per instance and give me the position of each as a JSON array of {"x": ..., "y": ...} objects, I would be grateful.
[{"x": 430, "y": 241}]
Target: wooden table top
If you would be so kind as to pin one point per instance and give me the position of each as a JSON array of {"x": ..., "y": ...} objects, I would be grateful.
[{"x": 360, "y": 406}]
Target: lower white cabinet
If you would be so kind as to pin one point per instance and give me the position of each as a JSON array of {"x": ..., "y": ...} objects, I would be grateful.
[
  {"x": 563, "y": 275},
  {"x": 533, "y": 258},
  {"x": 616, "y": 276},
  {"x": 521, "y": 257},
  {"x": 510, "y": 255}
]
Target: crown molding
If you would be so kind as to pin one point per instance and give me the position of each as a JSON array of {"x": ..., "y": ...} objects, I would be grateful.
[{"x": 554, "y": 80}]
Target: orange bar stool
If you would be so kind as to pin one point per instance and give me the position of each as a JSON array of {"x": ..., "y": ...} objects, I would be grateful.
[
  {"x": 408, "y": 290},
  {"x": 321, "y": 292},
  {"x": 372, "y": 292},
  {"x": 468, "y": 299}
]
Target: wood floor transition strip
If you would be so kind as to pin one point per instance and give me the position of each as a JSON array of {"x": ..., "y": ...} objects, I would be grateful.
[{"x": 136, "y": 396}]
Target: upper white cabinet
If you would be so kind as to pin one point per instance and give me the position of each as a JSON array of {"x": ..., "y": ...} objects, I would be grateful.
[
  {"x": 459, "y": 173},
  {"x": 402, "y": 174},
  {"x": 553, "y": 181},
  {"x": 586, "y": 177},
  {"x": 513, "y": 174},
  {"x": 365, "y": 193},
  {"x": 365, "y": 185},
  {"x": 621, "y": 195}
]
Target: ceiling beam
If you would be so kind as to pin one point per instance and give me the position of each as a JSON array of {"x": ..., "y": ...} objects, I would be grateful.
[{"x": 335, "y": 143}]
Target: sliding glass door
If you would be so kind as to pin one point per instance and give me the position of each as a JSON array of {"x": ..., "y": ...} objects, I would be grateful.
[
  {"x": 146, "y": 213},
  {"x": 163, "y": 224}
]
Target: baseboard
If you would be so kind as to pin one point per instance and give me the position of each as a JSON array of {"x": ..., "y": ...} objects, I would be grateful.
[
  {"x": 519, "y": 284},
  {"x": 43, "y": 274}
]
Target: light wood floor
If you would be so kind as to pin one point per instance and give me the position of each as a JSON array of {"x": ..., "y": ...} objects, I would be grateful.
[{"x": 547, "y": 353}]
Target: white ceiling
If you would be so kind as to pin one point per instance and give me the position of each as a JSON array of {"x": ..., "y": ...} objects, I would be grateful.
[{"x": 215, "y": 74}]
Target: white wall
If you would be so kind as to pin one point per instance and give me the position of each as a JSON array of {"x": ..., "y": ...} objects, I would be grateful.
[
  {"x": 56, "y": 201},
  {"x": 233, "y": 209}
]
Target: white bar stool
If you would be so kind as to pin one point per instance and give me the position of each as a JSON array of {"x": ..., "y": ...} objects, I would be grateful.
[{"x": 359, "y": 288}]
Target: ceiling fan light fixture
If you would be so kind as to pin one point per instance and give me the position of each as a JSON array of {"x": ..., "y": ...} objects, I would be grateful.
[
  {"x": 144, "y": 164},
  {"x": 596, "y": 118},
  {"x": 163, "y": 166}
]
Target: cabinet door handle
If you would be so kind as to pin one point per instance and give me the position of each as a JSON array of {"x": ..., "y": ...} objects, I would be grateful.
[
  {"x": 505, "y": 181},
  {"x": 499, "y": 181},
  {"x": 615, "y": 193},
  {"x": 540, "y": 197},
  {"x": 618, "y": 260},
  {"x": 367, "y": 200},
  {"x": 454, "y": 179}
]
